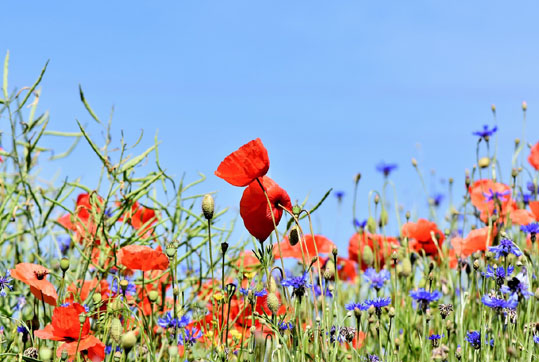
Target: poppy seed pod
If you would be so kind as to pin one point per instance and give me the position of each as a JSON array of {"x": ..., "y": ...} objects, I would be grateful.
[
  {"x": 273, "y": 303},
  {"x": 64, "y": 264},
  {"x": 128, "y": 340},
  {"x": 208, "y": 205},
  {"x": 293, "y": 236}
]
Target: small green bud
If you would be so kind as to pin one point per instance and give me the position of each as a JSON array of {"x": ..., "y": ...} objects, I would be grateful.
[
  {"x": 296, "y": 209},
  {"x": 153, "y": 296},
  {"x": 124, "y": 284},
  {"x": 329, "y": 270},
  {"x": 384, "y": 217},
  {"x": 367, "y": 256},
  {"x": 45, "y": 353},
  {"x": 406, "y": 270},
  {"x": 116, "y": 329},
  {"x": 273, "y": 302},
  {"x": 371, "y": 225},
  {"x": 64, "y": 264},
  {"x": 82, "y": 318},
  {"x": 483, "y": 162},
  {"x": 128, "y": 340},
  {"x": 96, "y": 298},
  {"x": 208, "y": 205}
]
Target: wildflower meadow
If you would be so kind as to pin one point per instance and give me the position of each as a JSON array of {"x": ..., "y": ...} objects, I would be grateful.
[{"x": 142, "y": 266}]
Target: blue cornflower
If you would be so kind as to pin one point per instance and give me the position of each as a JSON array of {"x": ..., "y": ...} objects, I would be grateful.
[
  {"x": 378, "y": 303},
  {"x": 259, "y": 293},
  {"x": 437, "y": 199},
  {"x": 360, "y": 224},
  {"x": 474, "y": 338},
  {"x": 505, "y": 248},
  {"x": 386, "y": 168},
  {"x": 21, "y": 302},
  {"x": 24, "y": 331},
  {"x": 373, "y": 358},
  {"x": 300, "y": 284},
  {"x": 532, "y": 229},
  {"x": 358, "y": 306},
  {"x": 536, "y": 339},
  {"x": 283, "y": 326},
  {"x": 499, "y": 304},
  {"x": 64, "y": 243},
  {"x": 424, "y": 298},
  {"x": 108, "y": 349},
  {"x": 518, "y": 285},
  {"x": 435, "y": 339},
  {"x": 526, "y": 198},
  {"x": 339, "y": 195},
  {"x": 377, "y": 280},
  {"x": 130, "y": 290},
  {"x": 499, "y": 273},
  {"x": 486, "y": 133},
  {"x": 190, "y": 337},
  {"x": 318, "y": 291},
  {"x": 169, "y": 322},
  {"x": 4, "y": 283},
  {"x": 495, "y": 195}
]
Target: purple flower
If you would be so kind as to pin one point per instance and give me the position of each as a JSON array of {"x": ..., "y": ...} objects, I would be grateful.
[
  {"x": 532, "y": 228},
  {"x": 5, "y": 283},
  {"x": 169, "y": 322},
  {"x": 190, "y": 337},
  {"x": 424, "y": 298},
  {"x": 360, "y": 224},
  {"x": 505, "y": 248},
  {"x": 499, "y": 304},
  {"x": 378, "y": 304},
  {"x": 300, "y": 284},
  {"x": 536, "y": 339},
  {"x": 474, "y": 338},
  {"x": 499, "y": 273},
  {"x": 437, "y": 199},
  {"x": 354, "y": 306},
  {"x": 256, "y": 293},
  {"x": 283, "y": 326},
  {"x": 495, "y": 195},
  {"x": 518, "y": 286},
  {"x": 386, "y": 168},
  {"x": 435, "y": 339},
  {"x": 377, "y": 280},
  {"x": 485, "y": 133},
  {"x": 339, "y": 195}
]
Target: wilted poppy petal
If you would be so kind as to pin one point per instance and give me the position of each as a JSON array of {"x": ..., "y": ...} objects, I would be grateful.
[
  {"x": 255, "y": 211},
  {"x": 533, "y": 158},
  {"x": 140, "y": 257},
  {"x": 243, "y": 166}
]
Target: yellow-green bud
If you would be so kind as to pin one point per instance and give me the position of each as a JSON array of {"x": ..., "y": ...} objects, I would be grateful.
[
  {"x": 537, "y": 293},
  {"x": 293, "y": 236},
  {"x": 483, "y": 162},
  {"x": 64, "y": 264},
  {"x": 153, "y": 296},
  {"x": 357, "y": 178},
  {"x": 273, "y": 303},
  {"x": 128, "y": 340},
  {"x": 367, "y": 256},
  {"x": 493, "y": 108},
  {"x": 124, "y": 284},
  {"x": 173, "y": 351},
  {"x": 524, "y": 106},
  {"x": 296, "y": 209},
  {"x": 116, "y": 329},
  {"x": 406, "y": 267},
  {"x": 171, "y": 250},
  {"x": 371, "y": 225},
  {"x": 45, "y": 353},
  {"x": 329, "y": 270},
  {"x": 208, "y": 206},
  {"x": 272, "y": 285},
  {"x": 384, "y": 217},
  {"x": 414, "y": 162},
  {"x": 96, "y": 298}
]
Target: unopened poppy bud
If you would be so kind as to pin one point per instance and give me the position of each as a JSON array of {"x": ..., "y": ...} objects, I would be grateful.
[
  {"x": 391, "y": 312},
  {"x": 371, "y": 310},
  {"x": 208, "y": 206},
  {"x": 407, "y": 215},
  {"x": 334, "y": 251},
  {"x": 450, "y": 325},
  {"x": 524, "y": 106},
  {"x": 406, "y": 265},
  {"x": 329, "y": 270},
  {"x": 45, "y": 353},
  {"x": 173, "y": 351},
  {"x": 128, "y": 340},
  {"x": 153, "y": 295},
  {"x": 171, "y": 250},
  {"x": 296, "y": 210},
  {"x": 357, "y": 312},
  {"x": 376, "y": 199},
  {"x": 293, "y": 236},
  {"x": 273, "y": 303},
  {"x": 514, "y": 172},
  {"x": 383, "y": 217},
  {"x": 483, "y": 162},
  {"x": 116, "y": 329},
  {"x": 414, "y": 162},
  {"x": 493, "y": 108},
  {"x": 96, "y": 298},
  {"x": 367, "y": 255},
  {"x": 176, "y": 291},
  {"x": 272, "y": 285},
  {"x": 64, "y": 264},
  {"x": 394, "y": 256},
  {"x": 476, "y": 264},
  {"x": 371, "y": 225},
  {"x": 224, "y": 247},
  {"x": 517, "y": 142},
  {"x": 357, "y": 178}
]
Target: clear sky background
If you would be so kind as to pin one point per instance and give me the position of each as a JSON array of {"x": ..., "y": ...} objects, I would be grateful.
[{"x": 331, "y": 88}]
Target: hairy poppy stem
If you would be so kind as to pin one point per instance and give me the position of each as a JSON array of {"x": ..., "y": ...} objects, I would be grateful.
[{"x": 45, "y": 317}]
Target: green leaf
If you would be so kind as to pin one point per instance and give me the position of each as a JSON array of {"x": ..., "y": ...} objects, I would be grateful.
[
  {"x": 33, "y": 87},
  {"x": 87, "y": 106},
  {"x": 136, "y": 160},
  {"x": 94, "y": 146}
]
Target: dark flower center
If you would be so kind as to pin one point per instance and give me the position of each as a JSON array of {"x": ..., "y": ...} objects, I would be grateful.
[{"x": 41, "y": 274}]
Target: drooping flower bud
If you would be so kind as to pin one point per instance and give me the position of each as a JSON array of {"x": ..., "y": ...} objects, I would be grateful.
[
  {"x": 293, "y": 236},
  {"x": 483, "y": 162},
  {"x": 128, "y": 340},
  {"x": 367, "y": 255},
  {"x": 273, "y": 303},
  {"x": 329, "y": 270}
]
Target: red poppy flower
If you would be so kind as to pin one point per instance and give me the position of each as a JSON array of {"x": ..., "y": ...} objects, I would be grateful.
[
  {"x": 82, "y": 293},
  {"x": 310, "y": 245},
  {"x": 140, "y": 257},
  {"x": 533, "y": 158},
  {"x": 81, "y": 221},
  {"x": 384, "y": 244},
  {"x": 244, "y": 165},
  {"x": 255, "y": 211},
  {"x": 475, "y": 241},
  {"x": 66, "y": 327},
  {"x": 140, "y": 217},
  {"x": 525, "y": 217},
  {"x": 247, "y": 260},
  {"x": 491, "y": 197},
  {"x": 420, "y": 236},
  {"x": 34, "y": 275},
  {"x": 346, "y": 268}
]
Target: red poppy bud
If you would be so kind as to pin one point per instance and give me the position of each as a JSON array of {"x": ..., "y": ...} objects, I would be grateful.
[
  {"x": 254, "y": 208},
  {"x": 244, "y": 165}
]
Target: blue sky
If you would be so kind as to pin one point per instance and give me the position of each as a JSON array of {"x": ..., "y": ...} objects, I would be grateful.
[{"x": 331, "y": 88}]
